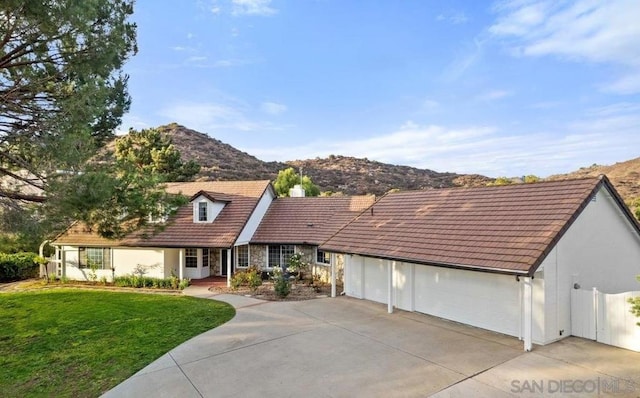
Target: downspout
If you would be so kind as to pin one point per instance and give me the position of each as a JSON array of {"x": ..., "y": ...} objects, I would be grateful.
[
  {"x": 528, "y": 312},
  {"x": 390, "y": 286}
]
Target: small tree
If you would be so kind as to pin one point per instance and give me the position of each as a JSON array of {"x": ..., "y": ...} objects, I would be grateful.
[
  {"x": 286, "y": 180},
  {"x": 500, "y": 181}
]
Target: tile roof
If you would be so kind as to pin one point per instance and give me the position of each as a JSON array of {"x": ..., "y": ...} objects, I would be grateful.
[
  {"x": 181, "y": 231},
  {"x": 497, "y": 229},
  {"x": 308, "y": 220}
]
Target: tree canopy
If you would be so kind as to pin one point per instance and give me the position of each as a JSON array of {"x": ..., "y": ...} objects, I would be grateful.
[
  {"x": 62, "y": 95},
  {"x": 286, "y": 180}
]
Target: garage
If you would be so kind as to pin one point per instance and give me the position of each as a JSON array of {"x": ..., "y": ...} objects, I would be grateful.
[
  {"x": 498, "y": 258},
  {"x": 443, "y": 292}
]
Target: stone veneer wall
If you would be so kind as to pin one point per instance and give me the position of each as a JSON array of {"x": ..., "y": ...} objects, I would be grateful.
[
  {"x": 324, "y": 271},
  {"x": 258, "y": 256},
  {"x": 215, "y": 261}
]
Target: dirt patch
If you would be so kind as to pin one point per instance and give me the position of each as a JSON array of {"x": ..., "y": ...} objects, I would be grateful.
[{"x": 300, "y": 290}]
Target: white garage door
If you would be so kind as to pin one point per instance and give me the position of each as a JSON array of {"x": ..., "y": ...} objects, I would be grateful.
[
  {"x": 488, "y": 301},
  {"x": 353, "y": 276},
  {"x": 376, "y": 280}
]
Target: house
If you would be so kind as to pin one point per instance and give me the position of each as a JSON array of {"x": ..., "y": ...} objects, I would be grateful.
[
  {"x": 225, "y": 226},
  {"x": 201, "y": 240},
  {"x": 300, "y": 225},
  {"x": 500, "y": 258}
]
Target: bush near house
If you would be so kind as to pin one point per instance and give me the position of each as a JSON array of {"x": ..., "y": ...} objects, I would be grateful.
[
  {"x": 139, "y": 281},
  {"x": 252, "y": 278},
  {"x": 18, "y": 266}
]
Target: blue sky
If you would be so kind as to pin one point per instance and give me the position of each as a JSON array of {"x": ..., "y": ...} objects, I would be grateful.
[{"x": 504, "y": 88}]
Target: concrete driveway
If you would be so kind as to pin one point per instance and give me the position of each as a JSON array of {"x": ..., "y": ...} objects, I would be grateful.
[{"x": 346, "y": 347}]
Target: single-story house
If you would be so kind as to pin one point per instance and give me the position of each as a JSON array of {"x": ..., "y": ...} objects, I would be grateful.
[
  {"x": 502, "y": 258},
  {"x": 204, "y": 238},
  {"x": 300, "y": 225}
]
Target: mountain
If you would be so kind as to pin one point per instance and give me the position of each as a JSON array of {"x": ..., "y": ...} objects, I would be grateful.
[
  {"x": 220, "y": 161},
  {"x": 625, "y": 176}
]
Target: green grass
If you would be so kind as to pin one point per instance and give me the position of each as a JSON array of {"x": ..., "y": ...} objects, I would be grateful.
[{"x": 82, "y": 343}]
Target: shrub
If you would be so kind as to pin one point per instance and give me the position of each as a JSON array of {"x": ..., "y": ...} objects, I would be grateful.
[
  {"x": 18, "y": 266},
  {"x": 252, "y": 278},
  {"x": 281, "y": 284},
  {"x": 137, "y": 281},
  {"x": 238, "y": 279}
]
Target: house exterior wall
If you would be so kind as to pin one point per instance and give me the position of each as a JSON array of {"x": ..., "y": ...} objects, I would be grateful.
[
  {"x": 130, "y": 260},
  {"x": 258, "y": 256},
  {"x": 171, "y": 262},
  {"x": 601, "y": 249},
  {"x": 125, "y": 261},
  {"x": 323, "y": 271},
  {"x": 256, "y": 217}
]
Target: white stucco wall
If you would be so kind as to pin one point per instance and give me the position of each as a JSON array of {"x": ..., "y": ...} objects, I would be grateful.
[
  {"x": 171, "y": 262},
  {"x": 255, "y": 218},
  {"x": 127, "y": 260},
  {"x": 124, "y": 260},
  {"x": 601, "y": 249}
]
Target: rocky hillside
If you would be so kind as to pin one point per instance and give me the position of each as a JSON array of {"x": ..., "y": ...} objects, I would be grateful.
[
  {"x": 348, "y": 175},
  {"x": 625, "y": 176}
]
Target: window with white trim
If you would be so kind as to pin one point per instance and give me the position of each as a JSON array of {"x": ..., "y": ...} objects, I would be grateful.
[
  {"x": 242, "y": 254},
  {"x": 100, "y": 257},
  {"x": 205, "y": 257},
  {"x": 202, "y": 211},
  {"x": 191, "y": 258},
  {"x": 279, "y": 255},
  {"x": 323, "y": 257}
]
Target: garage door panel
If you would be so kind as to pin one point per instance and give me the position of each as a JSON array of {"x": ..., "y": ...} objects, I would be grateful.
[
  {"x": 354, "y": 277},
  {"x": 484, "y": 300},
  {"x": 375, "y": 280},
  {"x": 403, "y": 286}
]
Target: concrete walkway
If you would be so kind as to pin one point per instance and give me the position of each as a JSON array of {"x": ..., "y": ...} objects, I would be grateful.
[{"x": 346, "y": 347}]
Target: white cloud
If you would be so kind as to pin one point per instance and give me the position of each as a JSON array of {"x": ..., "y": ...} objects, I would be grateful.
[
  {"x": 209, "y": 117},
  {"x": 273, "y": 108},
  {"x": 599, "y": 31},
  {"x": 603, "y": 135},
  {"x": 253, "y": 7},
  {"x": 454, "y": 17},
  {"x": 131, "y": 121}
]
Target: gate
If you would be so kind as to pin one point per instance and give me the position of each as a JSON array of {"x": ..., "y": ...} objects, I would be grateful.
[{"x": 605, "y": 318}]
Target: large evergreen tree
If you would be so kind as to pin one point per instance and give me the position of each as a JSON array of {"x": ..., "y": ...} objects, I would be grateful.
[{"x": 62, "y": 94}]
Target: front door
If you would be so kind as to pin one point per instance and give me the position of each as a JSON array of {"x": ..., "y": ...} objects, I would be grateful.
[{"x": 223, "y": 262}]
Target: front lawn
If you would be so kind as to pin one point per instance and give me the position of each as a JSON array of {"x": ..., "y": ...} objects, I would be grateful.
[{"x": 82, "y": 343}]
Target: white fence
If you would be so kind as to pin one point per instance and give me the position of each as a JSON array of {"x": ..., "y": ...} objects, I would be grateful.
[{"x": 605, "y": 318}]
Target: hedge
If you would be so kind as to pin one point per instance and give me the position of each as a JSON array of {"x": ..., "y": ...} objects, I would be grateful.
[{"x": 18, "y": 266}]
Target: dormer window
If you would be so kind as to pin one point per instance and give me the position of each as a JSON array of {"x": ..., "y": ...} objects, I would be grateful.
[
  {"x": 206, "y": 207},
  {"x": 202, "y": 211}
]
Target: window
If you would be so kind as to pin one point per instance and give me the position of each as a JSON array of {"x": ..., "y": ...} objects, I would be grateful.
[
  {"x": 242, "y": 254},
  {"x": 205, "y": 257},
  {"x": 323, "y": 257},
  {"x": 202, "y": 211},
  {"x": 191, "y": 258},
  {"x": 100, "y": 257},
  {"x": 279, "y": 255}
]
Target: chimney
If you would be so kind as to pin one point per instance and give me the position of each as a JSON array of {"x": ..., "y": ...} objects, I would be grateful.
[{"x": 297, "y": 191}]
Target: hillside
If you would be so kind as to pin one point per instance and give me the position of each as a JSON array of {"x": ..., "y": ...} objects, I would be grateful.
[
  {"x": 348, "y": 175},
  {"x": 625, "y": 176}
]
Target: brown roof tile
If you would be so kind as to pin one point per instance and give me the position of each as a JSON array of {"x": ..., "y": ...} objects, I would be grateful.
[
  {"x": 181, "y": 231},
  {"x": 506, "y": 229},
  {"x": 309, "y": 220}
]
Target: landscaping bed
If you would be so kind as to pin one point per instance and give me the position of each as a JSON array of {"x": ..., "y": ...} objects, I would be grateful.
[{"x": 300, "y": 290}]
